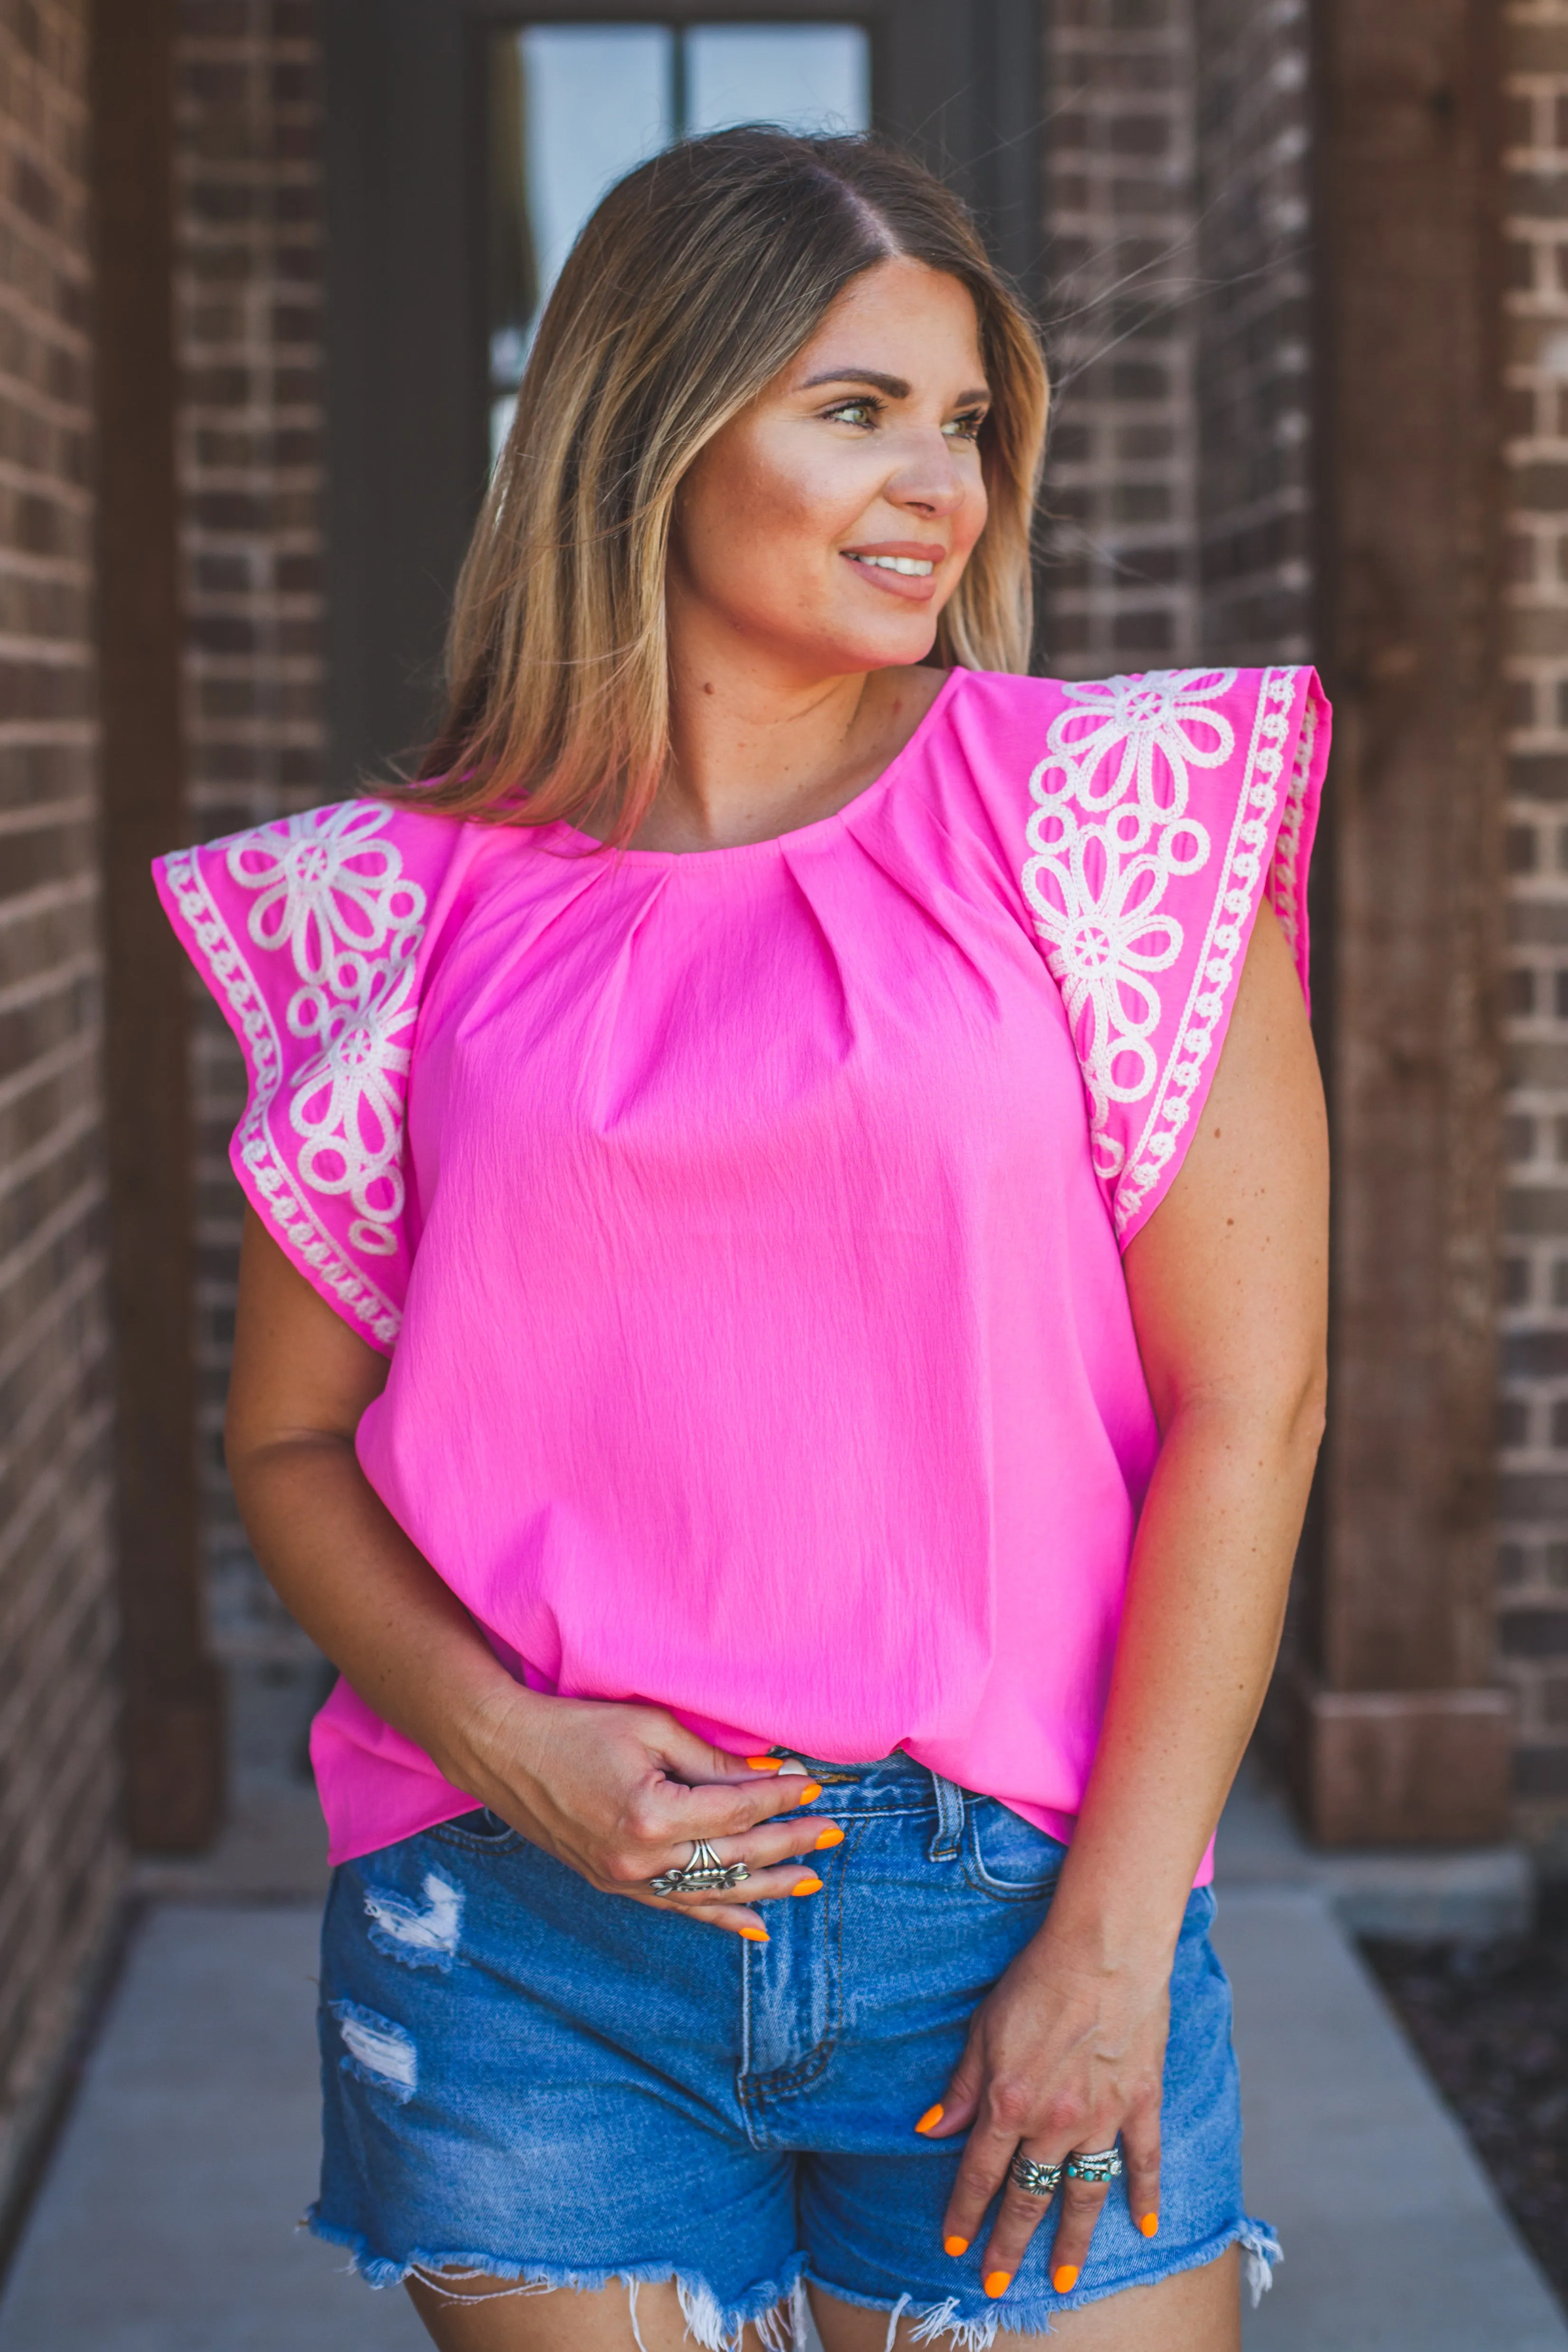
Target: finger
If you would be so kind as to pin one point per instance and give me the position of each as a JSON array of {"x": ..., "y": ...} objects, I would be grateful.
[
  {"x": 762, "y": 1886},
  {"x": 700, "y": 1764},
  {"x": 736, "y": 1919},
  {"x": 981, "y": 2172},
  {"x": 1080, "y": 2203},
  {"x": 760, "y": 1850},
  {"x": 1018, "y": 2216},
  {"x": 956, "y": 2108},
  {"x": 775, "y": 1842},
  {"x": 1141, "y": 2152},
  {"x": 671, "y": 1811}
]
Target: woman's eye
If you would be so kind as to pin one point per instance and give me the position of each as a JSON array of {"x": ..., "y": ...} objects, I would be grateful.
[
  {"x": 854, "y": 412},
  {"x": 968, "y": 426}
]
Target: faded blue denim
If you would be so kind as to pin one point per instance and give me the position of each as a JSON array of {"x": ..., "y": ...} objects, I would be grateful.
[{"x": 526, "y": 2077}]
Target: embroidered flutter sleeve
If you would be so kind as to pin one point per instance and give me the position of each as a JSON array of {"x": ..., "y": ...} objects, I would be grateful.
[
  {"x": 315, "y": 934},
  {"x": 1166, "y": 807}
]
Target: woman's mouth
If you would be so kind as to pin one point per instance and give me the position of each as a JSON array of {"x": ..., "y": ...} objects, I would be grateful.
[
  {"x": 897, "y": 571},
  {"x": 912, "y": 567}
]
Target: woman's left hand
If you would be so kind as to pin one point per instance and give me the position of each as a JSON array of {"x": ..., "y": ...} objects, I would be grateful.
[{"x": 1063, "y": 2057}]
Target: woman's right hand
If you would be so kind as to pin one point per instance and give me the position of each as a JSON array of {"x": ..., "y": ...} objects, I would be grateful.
[{"x": 620, "y": 1793}]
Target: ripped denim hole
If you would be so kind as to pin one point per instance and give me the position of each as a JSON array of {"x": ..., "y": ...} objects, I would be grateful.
[
  {"x": 377, "y": 2051},
  {"x": 422, "y": 1934}
]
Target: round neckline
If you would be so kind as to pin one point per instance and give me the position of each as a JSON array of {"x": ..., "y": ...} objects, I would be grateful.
[{"x": 818, "y": 825}]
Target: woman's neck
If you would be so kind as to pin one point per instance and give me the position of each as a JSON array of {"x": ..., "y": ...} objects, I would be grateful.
[{"x": 754, "y": 758}]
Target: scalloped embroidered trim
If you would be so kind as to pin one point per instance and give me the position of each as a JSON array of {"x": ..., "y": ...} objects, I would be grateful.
[
  {"x": 306, "y": 1240},
  {"x": 1108, "y": 834},
  {"x": 1240, "y": 884}
]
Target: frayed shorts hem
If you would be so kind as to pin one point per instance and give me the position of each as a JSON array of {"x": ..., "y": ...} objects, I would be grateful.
[
  {"x": 976, "y": 2331},
  {"x": 716, "y": 2327}
]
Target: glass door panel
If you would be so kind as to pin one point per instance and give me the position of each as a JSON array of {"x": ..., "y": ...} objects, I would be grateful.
[
  {"x": 572, "y": 107},
  {"x": 804, "y": 77}
]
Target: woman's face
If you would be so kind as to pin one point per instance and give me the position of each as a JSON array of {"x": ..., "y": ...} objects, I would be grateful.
[{"x": 824, "y": 528}]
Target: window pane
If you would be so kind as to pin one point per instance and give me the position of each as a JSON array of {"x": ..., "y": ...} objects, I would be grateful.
[
  {"x": 596, "y": 99},
  {"x": 808, "y": 76},
  {"x": 574, "y": 107}
]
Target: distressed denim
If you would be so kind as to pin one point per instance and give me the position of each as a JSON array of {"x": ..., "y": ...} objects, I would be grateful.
[{"x": 528, "y": 2078}]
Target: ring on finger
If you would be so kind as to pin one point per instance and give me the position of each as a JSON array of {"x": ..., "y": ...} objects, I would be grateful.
[
  {"x": 704, "y": 1875},
  {"x": 1035, "y": 2180},
  {"x": 1105, "y": 2165}
]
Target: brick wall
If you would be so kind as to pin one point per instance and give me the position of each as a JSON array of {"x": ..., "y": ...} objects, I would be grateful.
[
  {"x": 250, "y": 431},
  {"x": 59, "y": 1731},
  {"x": 1253, "y": 373},
  {"x": 1533, "y": 1620},
  {"x": 1121, "y": 476}
]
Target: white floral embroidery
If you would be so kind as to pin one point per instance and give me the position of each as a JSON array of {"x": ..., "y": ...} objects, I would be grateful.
[
  {"x": 1109, "y": 832},
  {"x": 332, "y": 893},
  {"x": 336, "y": 896}
]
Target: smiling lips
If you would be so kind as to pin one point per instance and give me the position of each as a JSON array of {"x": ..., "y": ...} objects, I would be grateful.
[{"x": 903, "y": 567}]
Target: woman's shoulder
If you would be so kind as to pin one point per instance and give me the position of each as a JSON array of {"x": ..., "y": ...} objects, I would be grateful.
[
  {"x": 316, "y": 933},
  {"x": 360, "y": 876},
  {"x": 1152, "y": 703},
  {"x": 1143, "y": 819}
]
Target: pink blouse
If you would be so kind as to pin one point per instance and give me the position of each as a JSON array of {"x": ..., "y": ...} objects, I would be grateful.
[{"x": 743, "y": 1226}]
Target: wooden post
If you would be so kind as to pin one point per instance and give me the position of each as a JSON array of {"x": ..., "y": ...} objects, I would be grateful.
[
  {"x": 172, "y": 1704},
  {"x": 1400, "y": 1733}
]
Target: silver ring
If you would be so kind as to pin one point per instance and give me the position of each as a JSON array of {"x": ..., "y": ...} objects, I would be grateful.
[
  {"x": 704, "y": 1875},
  {"x": 1035, "y": 2180},
  {"x": 1105, "y": 2165}
]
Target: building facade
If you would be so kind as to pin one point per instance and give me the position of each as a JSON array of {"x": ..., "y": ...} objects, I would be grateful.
[{"x": 1304, "y": 272}]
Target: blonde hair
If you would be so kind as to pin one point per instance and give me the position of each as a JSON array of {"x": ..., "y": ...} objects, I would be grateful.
[{"x": 699, "y": 276}]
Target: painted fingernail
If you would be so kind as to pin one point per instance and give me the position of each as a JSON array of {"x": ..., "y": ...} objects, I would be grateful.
[
  {"x": 812, "y": 1788},
  {"x": 955, "y": 2246},
  {"x": 763, "y": 1763},
  {"x": 1149, "y": 2224},
  {"x": 931, "y": 2116},
  {"x": 829, "y": 1834},
  {"x": 756, "y": 1934},
  {"x": 1065, "y": 2279},
  {"x": 998, "y": 2283},
  {"x": 812, "y": 1885}
]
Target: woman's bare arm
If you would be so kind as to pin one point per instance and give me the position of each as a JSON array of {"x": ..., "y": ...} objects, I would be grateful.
[
  {"x": 618, "y": 1793},
  {"x": 1228, "y": 1288}
]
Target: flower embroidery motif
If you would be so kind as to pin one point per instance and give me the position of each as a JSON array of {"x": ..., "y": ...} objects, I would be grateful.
[
  {"x": 1111, "y": 831},
  {"x": 333, "y": 894}
]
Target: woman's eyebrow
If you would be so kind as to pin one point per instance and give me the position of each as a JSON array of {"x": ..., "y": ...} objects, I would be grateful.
[{"x": 895, "y": 386}]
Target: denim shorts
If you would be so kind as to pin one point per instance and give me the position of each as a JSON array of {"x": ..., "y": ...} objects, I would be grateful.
[{"x": 528, "y": 2078}]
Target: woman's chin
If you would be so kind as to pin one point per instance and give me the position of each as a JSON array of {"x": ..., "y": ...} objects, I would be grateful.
[{"x": 860, "y": 648}]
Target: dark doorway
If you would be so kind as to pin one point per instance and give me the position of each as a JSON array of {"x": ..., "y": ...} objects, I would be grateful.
[{"x": 434, "y": 273}]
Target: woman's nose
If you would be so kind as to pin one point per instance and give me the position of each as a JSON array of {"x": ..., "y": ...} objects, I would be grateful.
[{"x": 928, "y": 479}]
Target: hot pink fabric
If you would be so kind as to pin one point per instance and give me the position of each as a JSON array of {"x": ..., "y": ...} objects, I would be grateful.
[{"x": 743, "y": 1226}]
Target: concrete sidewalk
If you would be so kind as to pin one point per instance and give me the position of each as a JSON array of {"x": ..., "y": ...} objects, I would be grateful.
[{"x": 166, "y": 2221}]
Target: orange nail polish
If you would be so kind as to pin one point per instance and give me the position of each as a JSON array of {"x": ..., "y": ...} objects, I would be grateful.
[
  {"x": 828, "y": 1834},
  {"x": 998, "y": 2283},
  {"x": 763, "y": 1763},
  {"x": 812, "y": 1788},
  {"x": 955, "y": 2246},
  {"x": 756, "y": 1934},
  {"x": 812, "y": 1885},
  {"x": 1149, "y": 2224},
  {"x": 1065, "y": 2279},
  {"x": 931, "y": 2116}
]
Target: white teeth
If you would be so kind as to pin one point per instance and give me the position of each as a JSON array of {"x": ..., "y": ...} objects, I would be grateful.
[{"x": 914, "y": 567}]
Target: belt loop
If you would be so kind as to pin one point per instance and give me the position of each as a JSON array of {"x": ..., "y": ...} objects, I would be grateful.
[{"x": 948, "y": 1819}]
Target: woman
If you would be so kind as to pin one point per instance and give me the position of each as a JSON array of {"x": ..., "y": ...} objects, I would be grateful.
[{"x": 816, "y": 1399}]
